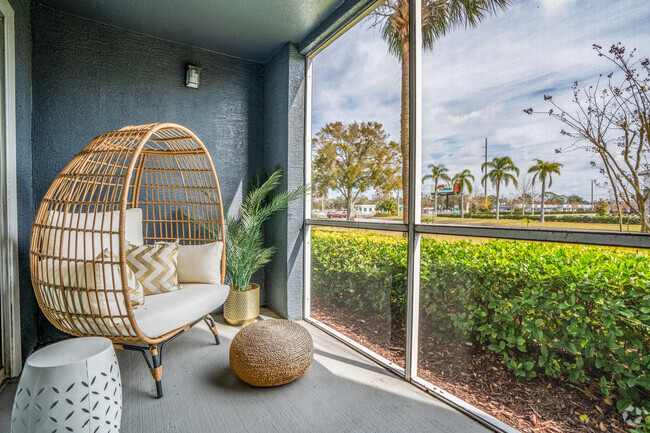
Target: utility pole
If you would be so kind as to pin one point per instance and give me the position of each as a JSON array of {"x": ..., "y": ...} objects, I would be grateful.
[
  {"x": 592, "y": 194},
  {"x": 485, "y": 177}
]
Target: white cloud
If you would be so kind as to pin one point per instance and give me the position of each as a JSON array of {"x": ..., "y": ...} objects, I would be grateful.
[
  {"x": 553, "y": 7},
  {"x": 476, "y": 82}
]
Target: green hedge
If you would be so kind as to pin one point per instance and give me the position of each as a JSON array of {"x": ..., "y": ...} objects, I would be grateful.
[
  {"x": 578, "y": 311},
  {"x": 609, "y": 219}
]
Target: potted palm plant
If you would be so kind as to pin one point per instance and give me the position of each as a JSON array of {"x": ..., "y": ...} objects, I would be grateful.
[{"x": 245, "y": 251}]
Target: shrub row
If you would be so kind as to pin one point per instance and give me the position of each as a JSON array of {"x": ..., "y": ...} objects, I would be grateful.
[
  {"x": 578, "y": 311},
  {"x": 595, "y": 219},
  {"x": 565, "y": 218}
]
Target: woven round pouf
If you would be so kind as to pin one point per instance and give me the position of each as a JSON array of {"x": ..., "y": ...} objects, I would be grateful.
[{"x": 271, "y": 352}]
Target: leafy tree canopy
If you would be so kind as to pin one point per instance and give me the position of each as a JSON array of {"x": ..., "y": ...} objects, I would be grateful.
[
  {"x": 353, "y": 158},
  {"x": 388, "y": 205},
  {"x": 555, "y": 198},
  {"x": 574, "y": 198}
]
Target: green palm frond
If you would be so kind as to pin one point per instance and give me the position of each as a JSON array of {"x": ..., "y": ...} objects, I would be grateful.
[
  {"x": 499, "y": 171},
  {"x": 258, "y": 193},
  {"x": 245, "y": 251},
  {"x": 545, "y": 169},
  {"x": 464, "y": 180},
  {"x": 438, "y": 172},
  {"x": 438, "y": 18}
]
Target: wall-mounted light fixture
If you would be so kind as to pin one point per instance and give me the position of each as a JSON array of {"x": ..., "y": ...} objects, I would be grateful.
[{"x": 192, "y": 76}]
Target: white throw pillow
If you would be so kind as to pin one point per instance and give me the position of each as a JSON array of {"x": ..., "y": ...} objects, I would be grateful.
[
  {"x": 68, "y": 240},
  {"x": 90, "y": 288},
  {"x": 107, "y": 264},
  {"x": 133, "y": 226},
  {"x": 200, "y": 263}
]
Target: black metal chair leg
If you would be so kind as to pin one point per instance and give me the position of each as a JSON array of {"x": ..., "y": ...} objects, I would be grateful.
[
  {"x": 156, "y": 370},
  {"x": 213, "y": 327},
  {"x": 156, "y": 352}
]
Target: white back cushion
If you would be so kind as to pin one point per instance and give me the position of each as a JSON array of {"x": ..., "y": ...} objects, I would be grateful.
[{"x": 69, "y": 240}]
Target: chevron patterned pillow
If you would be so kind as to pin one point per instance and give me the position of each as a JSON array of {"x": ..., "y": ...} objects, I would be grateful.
[{"x": 155, "y": 266}]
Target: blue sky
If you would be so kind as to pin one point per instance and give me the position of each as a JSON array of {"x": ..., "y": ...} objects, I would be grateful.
[{"x": 476, "y": 83}]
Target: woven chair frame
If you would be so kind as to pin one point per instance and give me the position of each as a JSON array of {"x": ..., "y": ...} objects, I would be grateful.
[{"x": 163, "y": 169}]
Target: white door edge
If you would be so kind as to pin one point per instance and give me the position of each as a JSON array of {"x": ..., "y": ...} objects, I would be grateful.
[{"x": 10, "y": 302}]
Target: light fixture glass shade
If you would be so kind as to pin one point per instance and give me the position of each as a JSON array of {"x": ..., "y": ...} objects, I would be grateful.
[
  {"x": 70, "y": 386},
  {"x": 192, "y": 76}
]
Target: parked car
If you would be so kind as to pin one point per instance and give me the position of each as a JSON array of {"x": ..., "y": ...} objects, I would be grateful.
[{"x": 337, "y": 214}]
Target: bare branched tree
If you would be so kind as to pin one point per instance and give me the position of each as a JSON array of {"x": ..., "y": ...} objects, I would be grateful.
[
  {"x": 611, "y": 120},
  {"x": 525, "y": 193}
]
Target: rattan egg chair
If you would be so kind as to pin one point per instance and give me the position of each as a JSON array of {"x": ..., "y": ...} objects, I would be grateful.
[{"x": 163, "y": 170}]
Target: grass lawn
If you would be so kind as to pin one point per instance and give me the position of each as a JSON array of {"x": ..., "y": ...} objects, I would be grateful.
[
  {"x": 536, "y": 224},
  {"x": 493, "y": 223}
]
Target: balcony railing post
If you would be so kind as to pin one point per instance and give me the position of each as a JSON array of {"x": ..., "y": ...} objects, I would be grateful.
[
  {"x": 415, "y": 142},
  {"x": 306, "y": 306}
]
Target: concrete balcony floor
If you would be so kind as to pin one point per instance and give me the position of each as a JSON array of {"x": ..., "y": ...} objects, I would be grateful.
[{"x": 342, "y": 391}]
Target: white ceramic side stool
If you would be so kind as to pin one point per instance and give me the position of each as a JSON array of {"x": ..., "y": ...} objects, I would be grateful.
[{"x": 70, "y": 386}]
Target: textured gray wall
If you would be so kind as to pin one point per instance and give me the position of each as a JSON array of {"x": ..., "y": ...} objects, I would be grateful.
[
  {"x": 89, "y": 78},
  {"x": 29, "y": 310},
  {"x": 284, "y": 103}
]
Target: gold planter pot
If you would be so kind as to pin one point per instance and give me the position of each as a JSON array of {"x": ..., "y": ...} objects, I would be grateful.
[{"x": 242, "y": 308}]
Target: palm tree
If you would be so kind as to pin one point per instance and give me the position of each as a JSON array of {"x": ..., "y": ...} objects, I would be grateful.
[
  {"x": 462, "y": 179},
  {"x": 437, "y": 172},
  {"x": 438, "y": 18},
  {"x": 542, "y": 170},
  {"x": 500, "y": 168}
]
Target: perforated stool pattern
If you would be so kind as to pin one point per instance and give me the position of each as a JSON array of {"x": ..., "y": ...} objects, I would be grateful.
[{"x": 71, "y": 386}]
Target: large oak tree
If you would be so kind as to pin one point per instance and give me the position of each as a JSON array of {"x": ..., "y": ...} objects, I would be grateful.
[{"x": 352, "y": 159}]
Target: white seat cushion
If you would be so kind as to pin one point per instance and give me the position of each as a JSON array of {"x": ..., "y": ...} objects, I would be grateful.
[{"x": 166, "y": 312}]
